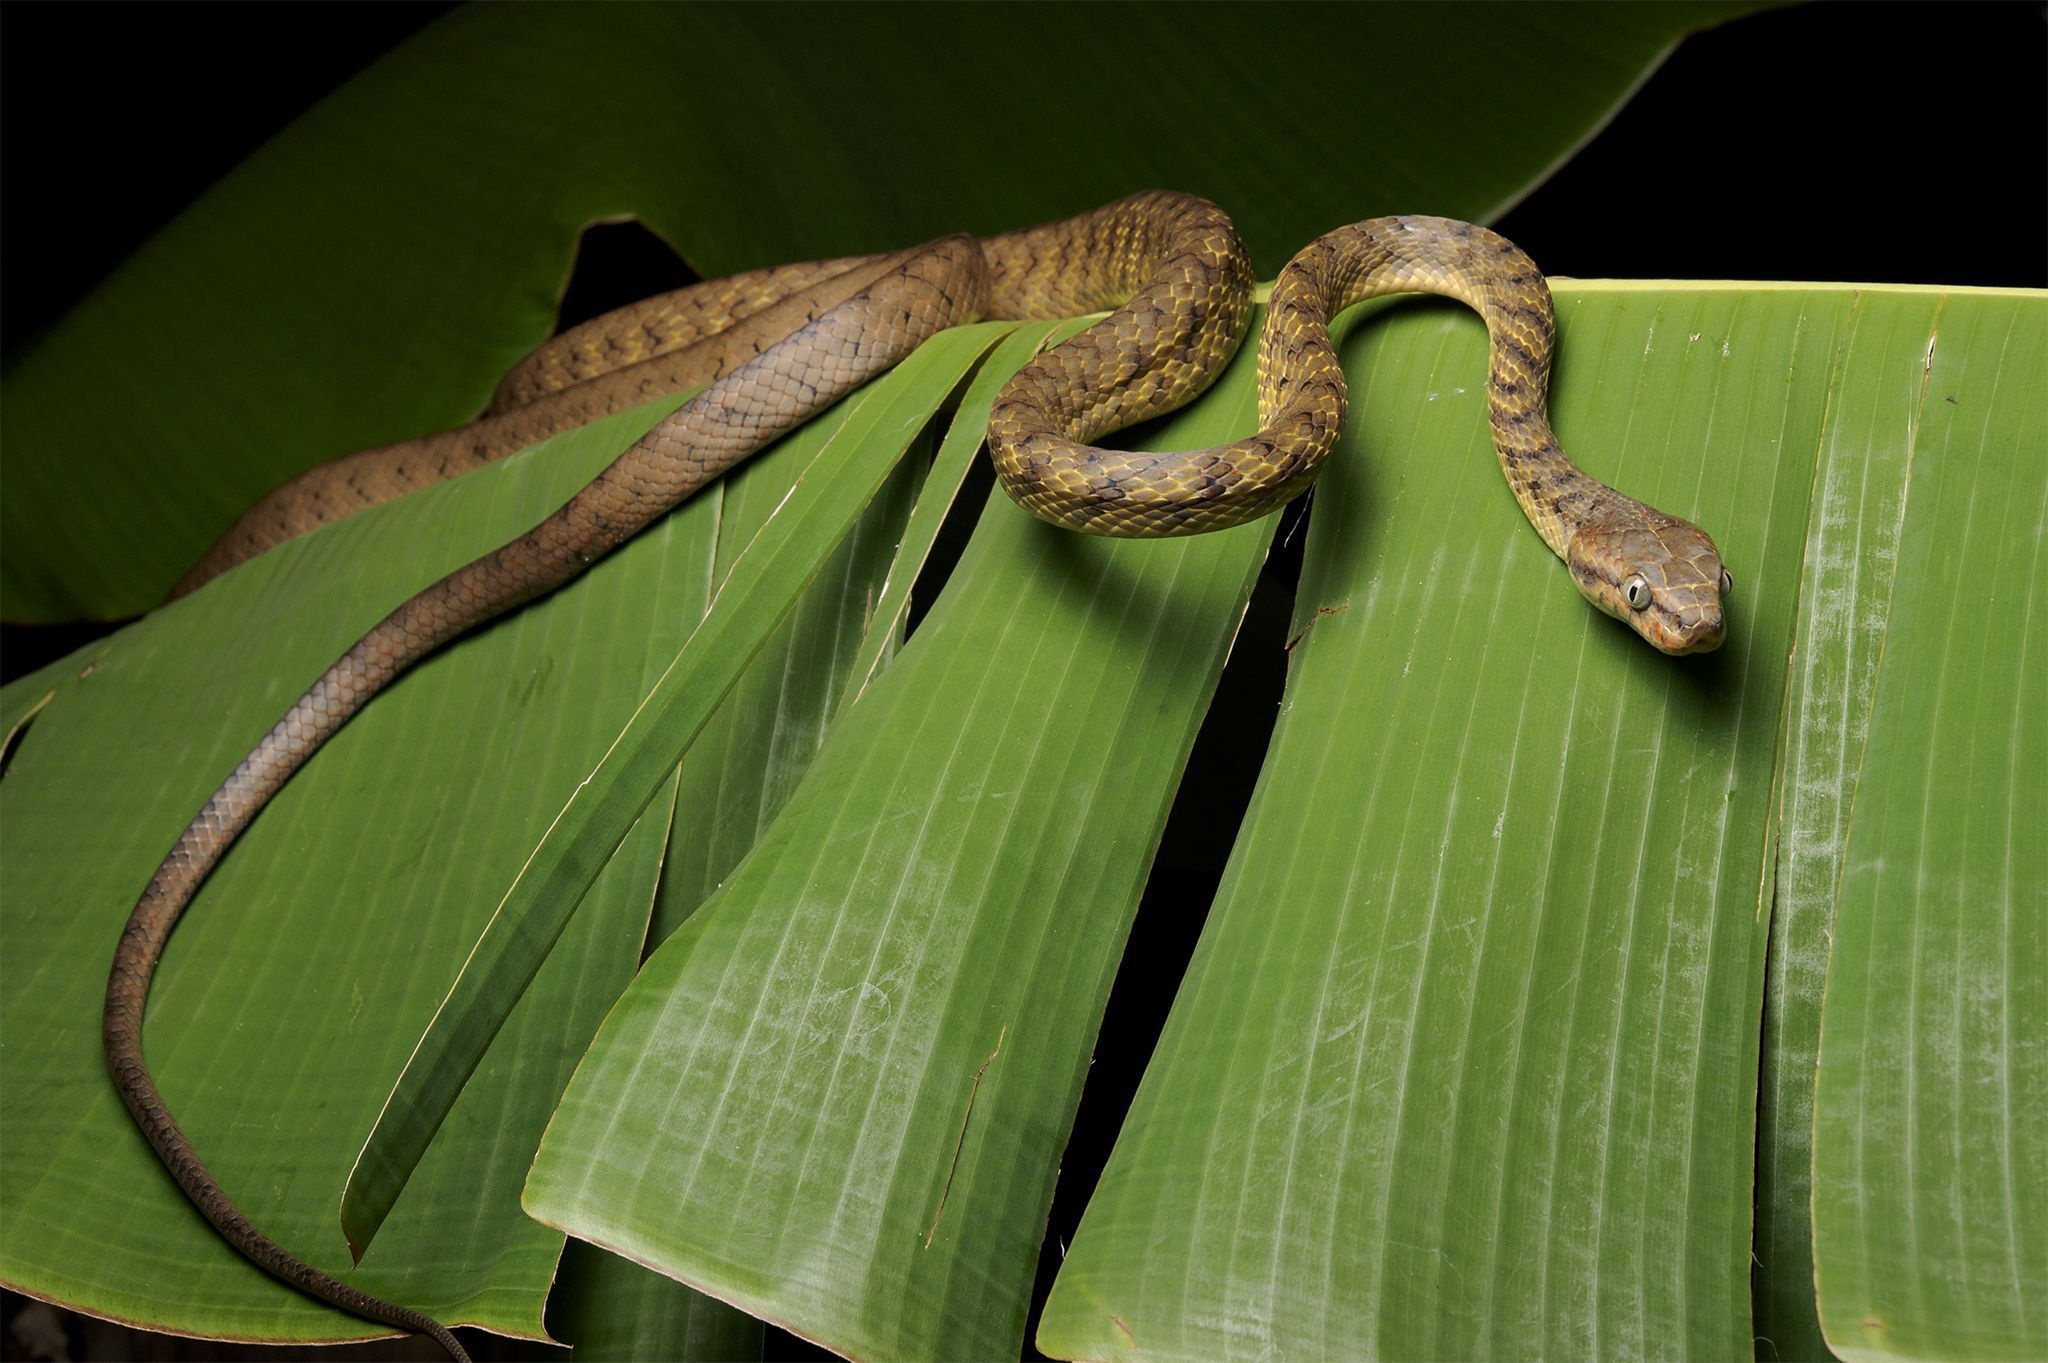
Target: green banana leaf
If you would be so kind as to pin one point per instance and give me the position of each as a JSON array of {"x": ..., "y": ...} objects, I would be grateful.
[
  {"x": 1488, "y": 1092},
  {"x": 1829, "y": 372},
  {"x": 907, "y": 972},
  {"x": 1930, "y": 1171},
  {"x": 1853, "y": 707},
  {"x": 408, "y": 239},
  {"x": 1465, "y": 1064}
]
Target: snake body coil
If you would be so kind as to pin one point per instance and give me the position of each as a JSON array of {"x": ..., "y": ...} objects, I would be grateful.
[{"x": 777, "y": 346}]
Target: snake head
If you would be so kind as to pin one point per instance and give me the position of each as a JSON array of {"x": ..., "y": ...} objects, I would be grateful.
[{"x": 1660, "y": 576}]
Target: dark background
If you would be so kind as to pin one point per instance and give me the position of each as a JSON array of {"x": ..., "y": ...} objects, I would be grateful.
[
  {"x": 1881, "y": 143},
  {"x": 1848, "y": 142}
]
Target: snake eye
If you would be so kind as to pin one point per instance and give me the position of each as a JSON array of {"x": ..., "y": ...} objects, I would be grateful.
[
  {"x": 1727, "y": 582},
  {"x": 1636, "y": 590}
]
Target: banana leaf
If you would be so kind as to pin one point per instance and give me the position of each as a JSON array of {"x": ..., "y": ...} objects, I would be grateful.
[
  {"x": 1654, "y": 1252},
  {"x": 408, "y": 238},
  {"x": 1467, "y": 1062},
  {"x": 1930, "y": 1123}
]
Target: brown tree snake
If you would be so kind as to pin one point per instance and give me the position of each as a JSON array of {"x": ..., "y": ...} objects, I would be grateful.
[{"x": 777, "y": 346}]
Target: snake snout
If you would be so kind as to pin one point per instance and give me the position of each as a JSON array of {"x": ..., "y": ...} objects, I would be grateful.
[{"x": 1693, "y": 631}]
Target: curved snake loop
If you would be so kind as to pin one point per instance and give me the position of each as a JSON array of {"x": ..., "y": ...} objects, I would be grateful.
[{"x": 777, "y": 346}]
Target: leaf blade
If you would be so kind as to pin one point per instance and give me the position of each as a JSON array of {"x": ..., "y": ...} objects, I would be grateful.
[
  {"x": 1458, "y": 1070},
  {"x": 850, "y": 455},
  {"x": 912, "y": 891},
  {"x": 1930, "y": 1172},
  {"x": 272, "y": 1010}
]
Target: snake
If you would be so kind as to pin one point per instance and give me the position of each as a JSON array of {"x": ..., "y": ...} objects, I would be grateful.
[{"x": 773, "y": 347}]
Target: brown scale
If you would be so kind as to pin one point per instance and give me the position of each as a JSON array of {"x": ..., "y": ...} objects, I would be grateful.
[{"x": 1176, "y": 276}]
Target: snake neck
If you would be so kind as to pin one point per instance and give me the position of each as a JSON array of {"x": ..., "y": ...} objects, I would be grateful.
[
  {"x": 1660, "y": 575},
  {"x": 1487, "y": 273}
]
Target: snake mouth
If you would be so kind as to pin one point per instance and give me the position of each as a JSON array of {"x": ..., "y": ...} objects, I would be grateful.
[{"x": 1678, "y": 638}]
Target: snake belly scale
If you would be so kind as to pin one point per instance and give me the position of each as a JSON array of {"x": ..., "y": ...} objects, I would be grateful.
[{"x": 777, "y": 346}]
